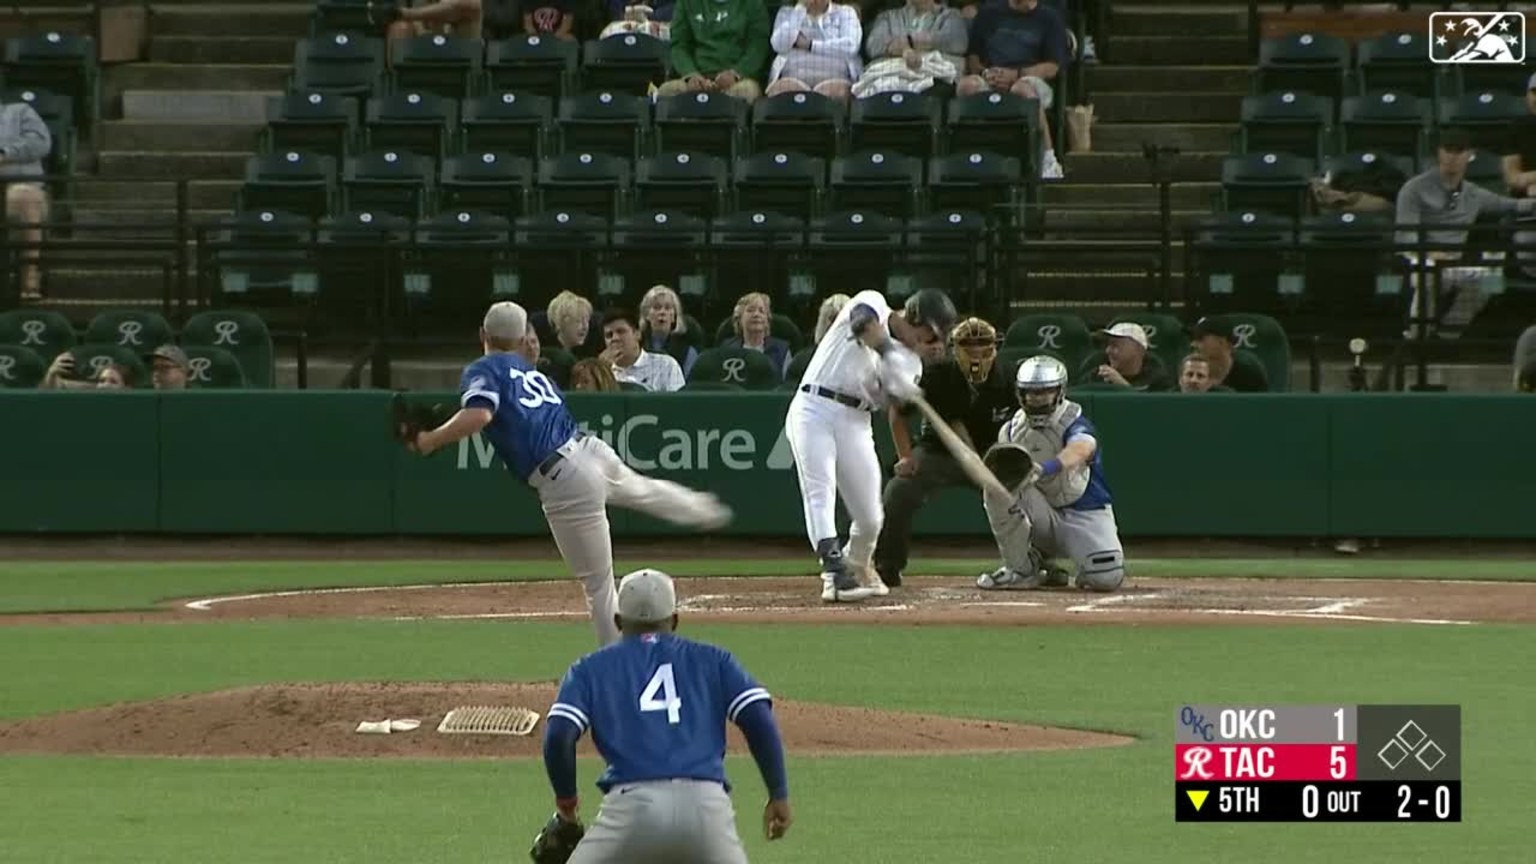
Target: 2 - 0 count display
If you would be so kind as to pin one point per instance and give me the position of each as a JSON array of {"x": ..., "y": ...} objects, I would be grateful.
[{"x": 1294, "y": 801}]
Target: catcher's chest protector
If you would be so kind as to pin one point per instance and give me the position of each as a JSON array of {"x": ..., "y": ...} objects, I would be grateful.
[{"x": 1042, "y": 444}]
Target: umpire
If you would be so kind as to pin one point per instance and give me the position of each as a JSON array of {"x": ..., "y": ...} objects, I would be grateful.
[{"x": 975, "y": 396}]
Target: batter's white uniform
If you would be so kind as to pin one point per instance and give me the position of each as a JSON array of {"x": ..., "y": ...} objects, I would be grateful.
[{"x": 829, "y": 432}]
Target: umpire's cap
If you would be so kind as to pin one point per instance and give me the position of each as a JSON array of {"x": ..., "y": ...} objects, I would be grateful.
[
  {"x": 933, "y": 309},
  {"x": 647, "y": 595}
]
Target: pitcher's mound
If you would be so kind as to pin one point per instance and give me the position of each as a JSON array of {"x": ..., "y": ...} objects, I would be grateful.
[{"x": 320, "y": 720}]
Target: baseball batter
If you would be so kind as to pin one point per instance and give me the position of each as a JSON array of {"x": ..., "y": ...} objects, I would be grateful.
[
  {"x": 524, "y": 416},
  {"x": 865, "y": 362},
  {"x": 1062, "y": 509},
  {"x": 657, "y": 706}
]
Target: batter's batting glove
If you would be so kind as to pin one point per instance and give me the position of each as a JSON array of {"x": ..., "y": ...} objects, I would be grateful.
[{"x": 556, "y": 841}]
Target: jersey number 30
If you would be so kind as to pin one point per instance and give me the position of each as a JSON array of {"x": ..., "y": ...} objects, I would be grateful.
[
  {"x": 540, "y": 390},
  {"x": 662, "y": 683}
]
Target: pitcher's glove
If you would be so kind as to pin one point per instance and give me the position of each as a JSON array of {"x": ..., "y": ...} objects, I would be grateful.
[
  {"x": 556, "y": 841},
  {"x": 408, "y": 421},
  {"x": 1011, "y": 465}
]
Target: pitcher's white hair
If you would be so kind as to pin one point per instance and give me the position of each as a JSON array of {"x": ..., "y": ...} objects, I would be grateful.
[
  {"x": 829, "y": 309},
  {"x": 505, "y": 323}
]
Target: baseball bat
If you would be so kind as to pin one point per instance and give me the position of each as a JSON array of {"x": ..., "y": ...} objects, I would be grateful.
[{"x": 970, "y": 460}]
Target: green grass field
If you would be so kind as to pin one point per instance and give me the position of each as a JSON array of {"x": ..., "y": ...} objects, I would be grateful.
[{"x": 1107, "y": 805}]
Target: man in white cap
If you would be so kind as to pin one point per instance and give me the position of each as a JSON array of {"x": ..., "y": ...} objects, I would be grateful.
[
  {"x": 1125, "y": 363},
  {"x": 522, "y": 413},
  {"x": 656, "y": 705}
]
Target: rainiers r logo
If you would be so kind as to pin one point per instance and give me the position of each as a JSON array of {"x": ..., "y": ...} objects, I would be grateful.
[
  {"x": 1195, "y": 761},
  {"x": 1477, "y": 37}
]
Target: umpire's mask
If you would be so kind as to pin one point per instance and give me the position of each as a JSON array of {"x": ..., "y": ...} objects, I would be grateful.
[{"x": 975, "y": 346}]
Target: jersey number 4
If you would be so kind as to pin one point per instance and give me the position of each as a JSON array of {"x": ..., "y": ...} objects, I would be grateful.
[
  {"x": 539, "y": 389},
  {"x": 663, "y": 684}
]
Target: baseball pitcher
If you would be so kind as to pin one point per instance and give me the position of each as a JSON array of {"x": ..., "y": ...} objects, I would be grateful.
[
  {"x": 524, "y": 416},
  {"x": 865, "y": 362},
  {"x": 657, "y": 706},
  {"x": 1048, "y": 454}
]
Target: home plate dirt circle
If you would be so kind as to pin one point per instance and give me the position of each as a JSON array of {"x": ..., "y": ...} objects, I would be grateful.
[{"x": 927, "y": 600}]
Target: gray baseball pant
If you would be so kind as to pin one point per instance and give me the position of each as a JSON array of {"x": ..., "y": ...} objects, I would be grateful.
[{"x": 663, "y": 822}]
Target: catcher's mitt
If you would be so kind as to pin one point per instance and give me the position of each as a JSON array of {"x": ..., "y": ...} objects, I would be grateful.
[
  {"x": 556, "y": 841},
  {"x": 407, "y": 420},
  {"x": 1010, "y": 464}
]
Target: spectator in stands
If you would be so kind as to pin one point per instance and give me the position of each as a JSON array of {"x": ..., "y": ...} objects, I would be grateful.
[
  {"x": 1444, "y": 205},
  {"x": 653, "y": 19},
  {"x": 664, "y": 329},
  {"x": 818, "y": 44},
  {"x": 1226, "y": 366},
  {"x": 719, "y": 46},
  {"x": 633, "y": 364},
  {"x": 24, "y": 143},
  {"x": 593, "y": 375},
  {"x": 114, "y": 377},
  {"x": 449, "y": 17},
  {"x": 61, "y": 376},
  {"x": 1525, "y": 354},
  {"x": 549, "y": 18},
  {"x": 828, "y": 312},
  {"x": 569, "y": 323},
  {"x": 169, "y": 367},
  {"x": 1019, "y": 46},
  {"x": 1520, "y": 154},
  {"x": 913, "y": 47},
  {"x": 1195, "y": 376},
  {"x": 1125, "y": 363},
  {"x": 752, "y": 321}
]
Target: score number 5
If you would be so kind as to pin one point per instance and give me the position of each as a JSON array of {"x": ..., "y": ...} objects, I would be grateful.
[{"x": 1338, "y": 764}]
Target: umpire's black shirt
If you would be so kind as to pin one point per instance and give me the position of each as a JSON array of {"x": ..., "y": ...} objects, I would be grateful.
[{"x": 980, "y": 409}]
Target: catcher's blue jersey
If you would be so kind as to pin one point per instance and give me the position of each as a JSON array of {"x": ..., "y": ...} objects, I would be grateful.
[
  {"x": 530, "y": 419},
  {"x": 657, "y": 706},
  {"x": 1096, "y": 496}
]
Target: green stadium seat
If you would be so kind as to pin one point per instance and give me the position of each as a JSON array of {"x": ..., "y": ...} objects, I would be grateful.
[
  {"x": 693, "y": 183},
  {"x": 1286, "y": 122},
  {"x": 559, "y": 362},
  {"x": 1271, "y": 182},
  {"x": 1009, "y": 358},
  {"x": 743, "y": 367},
  {"x": 1492, "y": 77},
  {"x": 356, "y": 270},
  {"x": 1486, "y": 116},
  {"x": 624, "y": 63},
  {"x": 906, "y": 123},
  {"x": 1386, "y": 122},
  {"x": 507, "y": 122},
  {"x": 558, "y": 249},
  {"x": 64, "y": 63},
  {"x": 434, "y": 63},
  {"x": 1397, "y": 62},
  {"x": 611, "y": 122},
  {"x": 257, "y": 258},
  {"x": 213, "y": 369},
  {"x": 1167, "y": 336},
  {"x": 756, "y": 250},
  {"x": 855, "y": 250},
  {"x": 20, "y": 368},
  {"x": 496, "y": 183},
  {"x": 390, "y": 181},
  {"x": 341, "y": 63},
  {"x": 311, "y": 121},
  {"x": 780, "y": 326},
  {"x": 462, "y": 263},
  {"x": 293, "y": 181},
  {"x": 1354, "y": 281},
  {"x": 979, "y": 181},
  {"x": 1061, "y": 335},
  {"x": 889, "y": 183},
  {"x": 807, "y": 123},
  {"x": 1381, "y": 174},
  {"x": 533, "y": 65},
  {"x": 711, "y": 387},
  {"x": 42, "y": 330},
  {"x": 636, "y": 387},
  {"x": 1313, "y": 63},
  {"x": 711, "y": 123},
  {"x": 133, "y": 329},
  {"x": 595, "y": 183},
  {"x": 244, "y": 335},
  {"x": 652, "y": 246},
  {"x": 946, "y": 250},
  {"x": 1266, "y": 339},
  {"x": 1237, "y": 261},
  {"x": 422, "y": 123},
  {"x": 348, "y": 16},
  {"x": 91, "y": 358},
  {"x": 796, "y": 371},
  {"x": 996, "y": 123},
  {"x": 789, "y": 183}
]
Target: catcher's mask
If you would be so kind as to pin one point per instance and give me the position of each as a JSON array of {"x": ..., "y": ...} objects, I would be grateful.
[
  {"x": 975, "y": 343},
  {"x": 1041, "y": 383}
]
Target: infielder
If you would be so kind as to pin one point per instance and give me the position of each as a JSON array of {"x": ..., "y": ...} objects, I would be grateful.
[
  {"x": 1062, "y": 507},
  {"x": 656, "y": 705},
  {"x": 576, "y": 475},
  {"x": 864, "y": 362}
]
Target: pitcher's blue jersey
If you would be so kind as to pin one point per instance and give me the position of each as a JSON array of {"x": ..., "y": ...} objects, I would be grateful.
[
  {"x": 530, "y": 418},
  {"x": 657, "y": 706},
  {"x": 1096, "y": 496}
]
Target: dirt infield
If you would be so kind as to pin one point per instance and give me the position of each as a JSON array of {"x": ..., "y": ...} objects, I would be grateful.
[{"x": 320, "y": 720}]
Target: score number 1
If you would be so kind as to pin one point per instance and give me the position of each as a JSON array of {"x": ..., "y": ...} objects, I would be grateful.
[{"x": 1338, "y": 766}]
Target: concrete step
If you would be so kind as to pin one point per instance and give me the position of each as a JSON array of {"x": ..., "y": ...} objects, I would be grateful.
[
  {"x": 1182, "y": 196},
  {"x": 1096, "y": 222},
  {"x": 220, "y": 50},
  {"x": 140, "y": 135},
  {"x": 1115, "y": 77},
  {"x": 199, "y": 106},
  {"x": 1083, "y": 290},
  {"x": 1129, "y": 137},
  {"x": 1180, "y": 50},
  {"x": 95, "y": 223},
  {"x": 1132, "y": 168},
  {"x": 106, "y": 284},
  {"x": 1188, "y": 107},
  {"x": 1159, "y": 20},
  {"x": 229, "y": 77},
  {"x": 201, "y": 194},
  {"x": 289, "y": 20},
  {"x": 209, "y": 165}
]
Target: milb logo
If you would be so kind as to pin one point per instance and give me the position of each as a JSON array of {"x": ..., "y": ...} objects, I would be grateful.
[{"x": 1477, "y": 37}]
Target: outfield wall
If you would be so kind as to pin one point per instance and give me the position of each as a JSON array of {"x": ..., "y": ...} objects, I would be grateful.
[{"x": 308, "y": 462}]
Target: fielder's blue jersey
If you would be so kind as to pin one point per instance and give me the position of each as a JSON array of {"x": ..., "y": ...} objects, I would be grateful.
[
  {"x": 1096, "y": 495},
  {"x": 530, "y": 418},
  {"x": 657, "y": 706}
]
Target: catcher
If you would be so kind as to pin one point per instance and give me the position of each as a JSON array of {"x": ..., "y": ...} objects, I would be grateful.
[
  {"x": 1049, "y": 455},
  {"x": 974, "y": 395}
]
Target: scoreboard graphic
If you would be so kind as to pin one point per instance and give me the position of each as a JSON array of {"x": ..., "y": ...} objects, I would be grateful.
[{"x": 1317, "y": 763}]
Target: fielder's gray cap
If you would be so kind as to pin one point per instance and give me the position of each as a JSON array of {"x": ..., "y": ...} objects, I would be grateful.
[
  {"x": 506, "y": 320},
  {"x": 169, "y": 352},
  {"x": 647, "y": 595}
]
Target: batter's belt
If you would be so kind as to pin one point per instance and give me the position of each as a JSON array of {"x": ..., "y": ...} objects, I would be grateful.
[{"x": 840, "y": 398}]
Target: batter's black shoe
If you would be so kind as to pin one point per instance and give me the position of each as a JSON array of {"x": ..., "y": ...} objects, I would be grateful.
[{"x": 891, "y": 578}]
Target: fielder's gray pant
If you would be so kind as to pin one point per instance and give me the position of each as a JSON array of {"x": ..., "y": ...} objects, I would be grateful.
[
  {"x": 1089, "y": 537},
  {"x": 904, "y": 496},
  {"x": 663, "y": 822}
]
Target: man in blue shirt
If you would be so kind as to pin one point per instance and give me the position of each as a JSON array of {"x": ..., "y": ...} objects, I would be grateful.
[
  {"x": 524, "y": 416},
  {"x": 656, "y": 705},
  {"x": 1019, "y": 46}
]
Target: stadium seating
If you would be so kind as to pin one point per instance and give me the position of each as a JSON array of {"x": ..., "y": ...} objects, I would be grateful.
[
  {"x": 1486, "y": 117},
  {"x": 1266, "y": 339},
  {"x": 421, "y": 123},
  {"x": 692, "y": 183},
  {"x": 1286, "y": 122},
  {"x": 1166, "y": 336},
  {"x": 91, "y": 358},
  {"x": 462, "y": 261},
  {"x": 213, "y": 369},
  {"x": 133, "y": 329},
  {"x": 535, "y": 65},
  {"x": 437, "y": 64},
  {"x": 255, "y": 259},
  {"x": 805, "y": 123},
  {"x": 43, "y": 330},
  {"x": 340, "y": 63},
  {"x": 20, "y": 367},
  {"x": 609, "y": 122},
  {"x": 1399, "y": 63},
  {"x": 390, "y": 181},
  {"x": 906, "y": 123},
  {"x": 243, "y": 335},
  {"x": 294, "y": 181},
  {"x": 885, "y": 182},
  {"x": 625, "y": 63},
  {"x": 996, "y": 122},
  {"x": 1272, "y": 182},
  {"x": 780, "y": 326},
  {"x": 508, "y": 122},
  {"x": 595, "y": 183},
  {"x": 785, "y": 182},
  {"x": 311, "y": 121},
  {"x": 1352, "y": 275},
  {"x": 1237, "y": 261},
  {"x": 1313, "y": 63},
  {"x": 498, "y": 183},
  {"x": 978, "y": 181},
  {"x": 1386, "y": 122},
  {"x": 654, "y": 246},
  {"x": 62, "y": 63},
  {"x": 742, "y": 367},
  {"x": 701, "y": 122},
  {"x": 796, "y": 370},
  {"x": 355, "y": 268},
  {"x": 1063, "y": 336},
  {"x": 856, "y": 250}
]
